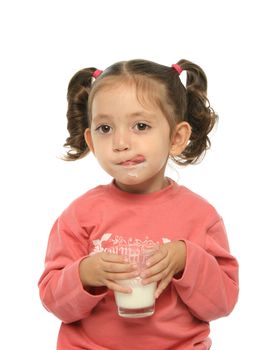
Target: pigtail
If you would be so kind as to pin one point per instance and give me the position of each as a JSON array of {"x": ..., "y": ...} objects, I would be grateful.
[
  {"x": 77, "y": 114},
  {"x": 199, "y": 114}
]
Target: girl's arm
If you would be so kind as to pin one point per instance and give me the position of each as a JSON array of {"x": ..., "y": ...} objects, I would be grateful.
[
  {"x": 206, "y": 278},
  {"x": 73, "y": 282},
  {"x": 61, "y": 289},
  {"x": 209, "y": 283}
]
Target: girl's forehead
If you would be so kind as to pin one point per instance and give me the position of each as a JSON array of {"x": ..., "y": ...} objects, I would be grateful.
[
  {"x": 122, "y": 104},
  {"x": 148, "y": 92}
]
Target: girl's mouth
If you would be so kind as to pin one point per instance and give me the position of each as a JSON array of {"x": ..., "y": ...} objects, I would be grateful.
[{"x": 133, "y": 161}]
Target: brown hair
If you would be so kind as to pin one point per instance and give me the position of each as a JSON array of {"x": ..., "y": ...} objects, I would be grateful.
[{"x": 155, "y": 83}]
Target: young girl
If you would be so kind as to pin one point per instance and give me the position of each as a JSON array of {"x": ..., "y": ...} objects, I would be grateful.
[{"x": 133, "y": 117}]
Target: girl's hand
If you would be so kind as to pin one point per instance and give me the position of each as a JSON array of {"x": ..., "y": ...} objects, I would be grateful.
[
  {"x": 104, "y": 269},
  {"x": 169, "y": 260}
]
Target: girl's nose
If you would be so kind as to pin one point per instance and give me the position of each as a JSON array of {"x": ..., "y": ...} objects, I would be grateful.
[{"x": 120, "y": 141}]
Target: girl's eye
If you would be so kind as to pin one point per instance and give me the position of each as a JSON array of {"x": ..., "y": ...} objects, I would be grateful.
[
  {"x": 141, "y": 126},
  {"x": 104, "y": 129}
]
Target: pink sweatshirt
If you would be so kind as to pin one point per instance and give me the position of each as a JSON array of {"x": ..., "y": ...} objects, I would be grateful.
[{"x": 105, "y": 216}]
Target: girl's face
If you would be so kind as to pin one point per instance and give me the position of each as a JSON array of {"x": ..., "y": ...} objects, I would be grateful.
[{"x": 130, "y": 141}]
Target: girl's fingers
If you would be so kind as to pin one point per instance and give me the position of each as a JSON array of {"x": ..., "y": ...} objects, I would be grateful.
[
  {"x": 119, "y": 268},
  {"x": 156, "y": 271},
  {"x": 155, "y": 274},
  {"x": 118, "y": 288},
  {"x": 121, "y": 275},
  {"x": 116, "y": 268},
  {"x": 161, "y": 286},
  {"x": 157, "y": 257},
  {"x": 113, "y": 263},
  {"x": 109, "y": 257},
  {"x": 154, "y": 278}
]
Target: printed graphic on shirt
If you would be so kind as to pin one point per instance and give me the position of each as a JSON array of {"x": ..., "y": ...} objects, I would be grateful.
[{"x": 112, "y": 243}]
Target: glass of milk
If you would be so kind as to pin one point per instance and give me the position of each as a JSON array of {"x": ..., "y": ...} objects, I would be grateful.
[{"x": 141, "y": 302}]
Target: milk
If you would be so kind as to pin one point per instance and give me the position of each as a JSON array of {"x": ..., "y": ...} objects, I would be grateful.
[
  {"x": 139, "y": 303},
  {"x": 142, "y": 295}
]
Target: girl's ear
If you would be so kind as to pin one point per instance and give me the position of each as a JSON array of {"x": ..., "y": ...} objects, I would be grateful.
[
  {"x": 180, "y": 138},
  {"x": 88, "y": 140}
]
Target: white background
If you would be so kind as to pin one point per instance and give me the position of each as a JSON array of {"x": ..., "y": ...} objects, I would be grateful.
[{"x": 43, "y": 43}]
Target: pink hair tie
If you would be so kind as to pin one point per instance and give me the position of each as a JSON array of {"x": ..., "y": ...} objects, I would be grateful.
[
  {"x": 97, "y": 73},
  {"x": 178, "y": 68}
]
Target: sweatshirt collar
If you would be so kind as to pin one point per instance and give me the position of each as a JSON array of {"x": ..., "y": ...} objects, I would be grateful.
[{"x": 153, "y": 197}]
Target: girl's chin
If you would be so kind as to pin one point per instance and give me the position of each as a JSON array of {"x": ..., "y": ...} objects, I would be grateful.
[
  {"x": 129, "y": 181},
  {"x": 130, "y": 177}
]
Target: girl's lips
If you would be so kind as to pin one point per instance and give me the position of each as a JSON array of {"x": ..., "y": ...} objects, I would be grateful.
[{"x": 134, "y": 161}]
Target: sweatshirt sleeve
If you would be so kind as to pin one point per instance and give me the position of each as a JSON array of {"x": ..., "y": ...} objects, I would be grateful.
[
  {"x": 209, "y": 283},
  {"x": 60, "y": 287}
]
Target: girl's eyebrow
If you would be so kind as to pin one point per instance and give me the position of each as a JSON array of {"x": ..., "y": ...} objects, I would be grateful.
[
  {"x": 131, "y": 115},
  {"x": 141, "y": 114},
  {"x": 101, "y": 117}
]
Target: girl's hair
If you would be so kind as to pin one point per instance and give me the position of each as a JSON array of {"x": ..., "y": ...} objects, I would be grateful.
[{"x": 155, "y": 84}]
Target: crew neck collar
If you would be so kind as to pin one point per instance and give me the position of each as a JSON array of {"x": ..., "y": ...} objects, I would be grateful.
[{"x": 156, "y": 196}]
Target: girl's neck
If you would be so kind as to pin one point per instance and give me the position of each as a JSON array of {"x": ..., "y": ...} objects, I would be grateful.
[{"x": 145, "y": 187}]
